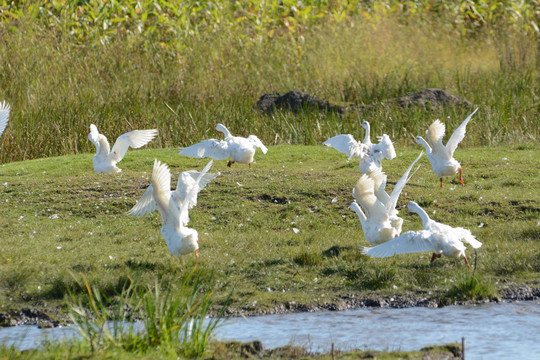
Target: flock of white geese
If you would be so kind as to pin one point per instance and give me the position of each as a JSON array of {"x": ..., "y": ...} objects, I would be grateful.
[{"x": 376, "y": 209}]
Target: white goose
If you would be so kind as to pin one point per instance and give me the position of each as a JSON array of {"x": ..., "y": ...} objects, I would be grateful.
[
  {"x": 439, "y": 238},
  {"x": 378, "y": 218},
  {"x": 369, "y": 154},
  {"x": 4, "y": 116},
  {"x": 190, "y": 183},
  {"x": 441, "y": 156},
  {"x": 105, "y": 160},
  {"x": 239, "y": 149},
  {"x": 173, "y": 207}
]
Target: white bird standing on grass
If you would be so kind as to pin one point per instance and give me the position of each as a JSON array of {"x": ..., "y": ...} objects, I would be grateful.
[
  {"x": 105, "y": 160},
  {"x": 376, "y": 209},
  {"x": 238, "y": 149},
  {"x": 441, "y": 156},
  {"x": 440, "y": 238},
  {"x": 369, "y": 154},
  {"x": 4, "y": 116},
  {"x": 173, "y": 206}
]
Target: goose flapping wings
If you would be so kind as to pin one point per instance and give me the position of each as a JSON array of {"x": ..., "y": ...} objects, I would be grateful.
[
  {"x": 189, "y": 184},
  {"x": 105, "y": 160}
]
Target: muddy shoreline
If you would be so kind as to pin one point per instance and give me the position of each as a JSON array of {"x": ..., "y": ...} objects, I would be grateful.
[{"x": 51, "y": 317}]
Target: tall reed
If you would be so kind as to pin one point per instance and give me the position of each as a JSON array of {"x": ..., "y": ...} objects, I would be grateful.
[
  {"x": 58, "y": 82},
  {"x": 172, "y": 317}
]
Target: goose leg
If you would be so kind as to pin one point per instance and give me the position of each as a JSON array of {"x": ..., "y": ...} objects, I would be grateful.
[
  {"x": 250, "y": 165},
  {"x": 197, "y": 253},
  {"x": 441, "y": 183},
  {"x": 467, "y": 262},
  {"x": 434, "y": 257},
  {"x": 229, "y": 163},
  {"x": 461, "y": 178}
]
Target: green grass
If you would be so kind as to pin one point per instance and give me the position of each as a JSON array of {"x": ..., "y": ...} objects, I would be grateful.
[
  {"x": 59, "y": 217},
  {"x": 234, "y": 350}
]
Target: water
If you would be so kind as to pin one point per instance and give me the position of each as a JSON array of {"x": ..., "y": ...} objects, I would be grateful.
[{"x": 492, "y": 331}]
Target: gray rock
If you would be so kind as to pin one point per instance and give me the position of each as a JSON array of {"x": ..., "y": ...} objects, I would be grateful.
[
  {"x": 296, "y": 101},
  {"x": 430, "y": 98}
]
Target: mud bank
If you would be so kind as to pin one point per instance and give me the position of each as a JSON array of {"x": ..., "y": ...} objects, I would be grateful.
[{"x": 52, "y": 317}]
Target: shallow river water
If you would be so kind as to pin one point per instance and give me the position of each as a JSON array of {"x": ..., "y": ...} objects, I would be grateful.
[{"x": 491, "y": 331}]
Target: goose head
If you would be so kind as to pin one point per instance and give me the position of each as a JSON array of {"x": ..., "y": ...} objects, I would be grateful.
[{"x": 413, "y": 207}]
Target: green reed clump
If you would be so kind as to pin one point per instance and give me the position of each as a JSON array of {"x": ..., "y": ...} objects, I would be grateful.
[
  {"x": 173, "y": 314},
  {"x": 471, "y": 287}
]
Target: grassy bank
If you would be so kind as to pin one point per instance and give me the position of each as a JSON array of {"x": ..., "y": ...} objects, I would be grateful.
[
  {"x": 58, "y": 218},
  {"x": 64, "y": 66},
  {"x": 219, "y": 350}
]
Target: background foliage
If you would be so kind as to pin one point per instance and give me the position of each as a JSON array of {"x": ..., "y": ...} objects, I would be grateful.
[{"x": 181, "y": 67}]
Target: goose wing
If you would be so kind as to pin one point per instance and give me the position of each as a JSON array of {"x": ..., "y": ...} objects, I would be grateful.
[
  {"x": 145, "y": 205},
  {"x": 385, "y": 147},
  {"x": 100, "y": 141},
  {"x": 364, "y": 195},
  {"x": 392, "y": 201},
  {"x": 258, "y": 143},
  {"x": 406, "y": 243},
  {"x": 212, "y": 148},
  {"x": 187, "y": 181},
  {"x": 4, "y": 115},
  {"x": 161, "y": 190},
  {"x": 379, "y": 182},
  {"x": 434, "y": 136},
  {"x": 134, "y": 139},
  {"x": 458, "y": 134},
  {"x": 191, "y": 194},
  {"x": 345, "y": 144}
]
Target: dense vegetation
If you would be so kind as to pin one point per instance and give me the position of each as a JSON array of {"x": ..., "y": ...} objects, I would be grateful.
[{"x": 181, "y": 67}]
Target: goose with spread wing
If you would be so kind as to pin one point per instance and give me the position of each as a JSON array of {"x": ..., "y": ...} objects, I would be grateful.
[
  {"x": 441, "y": 156},
  {"x": 190, "y": 183},
  {"x": 369, "y": 154},
  {"x": 375, "y": 209},
  {"x": 440, "y": 238},
  {"x": 4, "y": 115},
  {"x": 173, "y": 206},
  {"x": 105, "y": 160},
  {"x": 238, "y": 149}
]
